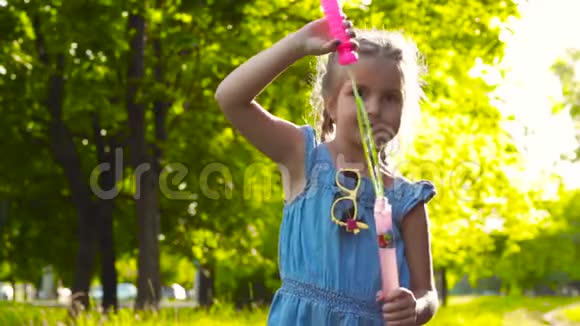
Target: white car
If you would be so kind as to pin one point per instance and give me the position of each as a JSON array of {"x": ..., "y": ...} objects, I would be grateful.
[
  {"x": 125, "y": 291},
  {"x": 6, "y": 291}
]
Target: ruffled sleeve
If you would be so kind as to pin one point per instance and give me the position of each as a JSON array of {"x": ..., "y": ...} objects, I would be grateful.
[{"x": 414, "y": 193}]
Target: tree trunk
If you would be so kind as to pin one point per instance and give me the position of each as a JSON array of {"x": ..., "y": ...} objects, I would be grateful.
[
  {"x": 64, "y": 151},
  {"x": 105, "y": 220},
  {"x": 108, "y": 269},
  {"x": 442, "y": 287},
  {"x": 146, "y": 196},
  {"x": 107, "y": 247},
  {"x": 13, "y": 284},
  {"x": 206, "y": 286},
  {"x": 65, "y": 154},
  {"x": 149, "y": 279}
]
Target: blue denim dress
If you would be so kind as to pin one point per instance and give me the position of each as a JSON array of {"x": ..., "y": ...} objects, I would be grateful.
[{"x": 331, "y": 276}]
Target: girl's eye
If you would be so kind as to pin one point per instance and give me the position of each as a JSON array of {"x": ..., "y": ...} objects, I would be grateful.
[{"x": 392, "y": 98}]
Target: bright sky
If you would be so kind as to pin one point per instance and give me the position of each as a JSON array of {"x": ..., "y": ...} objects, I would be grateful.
[{"x": 546, "y": 28}]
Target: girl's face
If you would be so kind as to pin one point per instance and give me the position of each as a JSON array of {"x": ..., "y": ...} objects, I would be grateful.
[{"x": 379, "y": 83}]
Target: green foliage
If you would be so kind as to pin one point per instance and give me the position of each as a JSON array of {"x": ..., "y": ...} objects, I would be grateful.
[
  {"x": 566, "y": 68},
  {"x": 565, "y": 229}
]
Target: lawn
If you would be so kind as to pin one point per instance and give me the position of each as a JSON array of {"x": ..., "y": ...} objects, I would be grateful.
[
  {"x": 487, "y": 310},
  {"x": 21, "y": 314},
  {"x": 493, "y": 310}
]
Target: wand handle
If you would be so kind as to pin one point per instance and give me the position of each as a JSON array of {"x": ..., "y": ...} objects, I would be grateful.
[
  {"x": 387, "y": 251},
  {"x": 334, "y": 16}
]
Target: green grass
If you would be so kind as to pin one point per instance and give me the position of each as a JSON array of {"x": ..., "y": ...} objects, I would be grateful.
[
  {"x": 487, "y": 310},
  {"x": 22, "y": 314},
  {"x": 494, "y": 310}
]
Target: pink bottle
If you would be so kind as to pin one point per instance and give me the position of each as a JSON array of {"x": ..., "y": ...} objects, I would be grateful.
[
  {"x": 387, "y": 252},
  {"x": 334, "y": 15}
]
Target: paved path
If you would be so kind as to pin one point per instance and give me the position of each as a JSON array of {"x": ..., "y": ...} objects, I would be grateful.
[{"x": 552, "y": 317}]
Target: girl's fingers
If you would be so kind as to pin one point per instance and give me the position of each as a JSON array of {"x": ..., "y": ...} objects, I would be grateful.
[
  {"x": 398, "y": 315},
  {"x": 330, "y": 46},
  {"x": 354, "y": 45},
  {"x": 351, "y": 33},
  {"x": 395, "y": 306},
  {"x": 406, "y": 322},
  {"x": 379, "y": 296},
  {"x": 334, "y": 44},
  {"x": 347, "y": 24}
]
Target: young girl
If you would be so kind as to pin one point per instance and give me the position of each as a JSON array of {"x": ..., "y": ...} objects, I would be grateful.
[{"x": 330, "y": 270}]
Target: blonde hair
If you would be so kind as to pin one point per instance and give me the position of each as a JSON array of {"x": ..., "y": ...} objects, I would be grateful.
[{"x": 373, "y": 42}]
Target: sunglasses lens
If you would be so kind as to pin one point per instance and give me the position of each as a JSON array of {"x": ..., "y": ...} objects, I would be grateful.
[
  {"x": 344, "y": 209},
  {"x": 348, "y": 179},
  {"x": 351, "y": 175}
]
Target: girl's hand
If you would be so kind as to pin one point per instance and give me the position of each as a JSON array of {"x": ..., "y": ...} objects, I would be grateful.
[
  {"x": 399, "y": 307},
  {"x": 315, "y": 37}
]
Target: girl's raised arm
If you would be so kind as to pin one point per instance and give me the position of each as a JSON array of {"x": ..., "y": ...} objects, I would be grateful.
[{"x": 277, "y": 138}]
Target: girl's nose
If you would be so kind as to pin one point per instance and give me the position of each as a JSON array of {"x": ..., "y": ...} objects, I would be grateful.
[{"x": 372, "y": 108}]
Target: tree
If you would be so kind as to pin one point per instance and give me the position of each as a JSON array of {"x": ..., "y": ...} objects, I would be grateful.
[{"x": 65, "y": 120}]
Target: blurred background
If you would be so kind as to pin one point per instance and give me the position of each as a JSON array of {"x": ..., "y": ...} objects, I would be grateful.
[{"x": 123, "y": 189}]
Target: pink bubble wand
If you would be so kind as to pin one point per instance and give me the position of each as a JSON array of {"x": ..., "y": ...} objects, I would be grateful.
[
  {"x": 382, "y": 209},
  {"x": 334, "y": 17}
]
